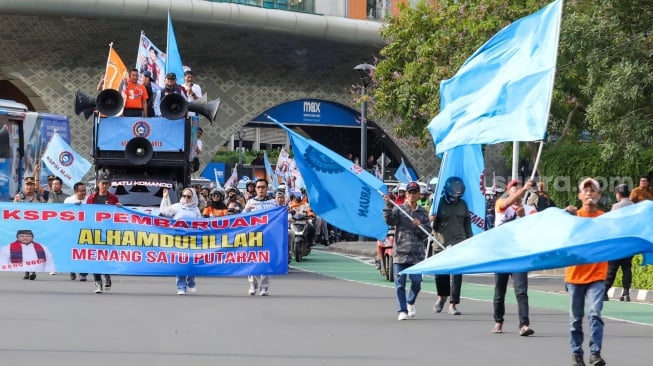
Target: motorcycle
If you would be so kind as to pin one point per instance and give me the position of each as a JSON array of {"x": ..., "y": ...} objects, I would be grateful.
[
  {"x": 299, "y": 226},
  {"x": 384, "y": 255}
]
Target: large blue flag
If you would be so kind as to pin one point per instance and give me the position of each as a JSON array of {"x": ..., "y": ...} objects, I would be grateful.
[
  {"x": 503, "y": 91},
  {"x": 339, "y": 191},
  {"x": 465, "y": 162},
  {"x": 173, "y": 58},
  {"x": 549, "y": 239},
  {"x": 65, "y": 162}
]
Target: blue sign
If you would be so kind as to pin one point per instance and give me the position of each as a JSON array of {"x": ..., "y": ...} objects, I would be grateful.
[
  {"x": 215, "y": 171},
  {"x": 165, "y": 135},
  {"x": 315, "y": 112}
]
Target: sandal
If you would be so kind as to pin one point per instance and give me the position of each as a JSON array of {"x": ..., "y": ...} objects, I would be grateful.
[{"x": 498, "y": 328}]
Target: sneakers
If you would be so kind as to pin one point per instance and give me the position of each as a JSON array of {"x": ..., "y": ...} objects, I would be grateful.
[
  {"x": 411, "y": 310},
  {"x": 73, "y": 276},
  {"x": 625, "y": 298},
  {"x": 107, "y": 283},
  {"x": 192, "y": 289},
  {"x": 53, "y": 273},
  {"x": 98, "y": 287},
  {"x": 439, "y": 305},
  {"x": 454, "y": 311},
  {"x": 82, "y": 278},
  {"x": 32, "y": 276},
  {"x": 577, "y": 360},
  {"x": 596, "y": 360},
  {"x": 252, "y": 290},
  {"x": 181, "y": 291},
  {"x": 525, "y": 331},
  {"x": 264, "y": 291},
  {"x": 402, "y": 316}
]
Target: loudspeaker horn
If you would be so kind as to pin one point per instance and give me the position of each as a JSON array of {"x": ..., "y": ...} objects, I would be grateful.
[
  {"x": 174, "y": 106},
  {"x": 84, "y": 103},
  {"x": 139, "y": 151},
  {"x": 109, "y": 102},
  {"x": 208, "y": 110}
]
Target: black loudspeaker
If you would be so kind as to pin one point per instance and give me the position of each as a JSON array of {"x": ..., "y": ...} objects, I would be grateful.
[
  {"x": 174, "y": 106},
  {"x": 108, "y": 102},
  {"x": 208, "y": 110},
  {"x": 84, "y": 103},
  {"x": 139, "y": 151},
  {"x": 5, "y": 149}
]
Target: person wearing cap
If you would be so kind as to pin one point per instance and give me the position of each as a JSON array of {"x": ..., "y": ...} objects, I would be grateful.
[
  {"x": 622, "y": 194},
  {"x": 509, "y": 207},
  {"x": 102, "y": 197},
  {"x": 400, "y": 198},
  {"x": 147, "y": 83},
  {"x": 586, "y": 283},
  {"x": 171, "y": 87},
  {"x": 216, "y": 206},
  {"x": 410, "y": 232},
  {"x": 25, "y": 254},
  {"x": 453, "y": 222},
  {"x": 233, "y": 195},
  {"x": 257, "y": 203},
  {"x": 135, "y": 96},
  {"x": 643, "y": 191},
  {"x": 250, "y": 190},
  {"x": 29, "y": 193},
  {"x": 543, "y": 199}
]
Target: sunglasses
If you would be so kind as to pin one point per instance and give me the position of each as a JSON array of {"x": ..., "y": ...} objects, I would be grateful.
[{"x": 187, "y": 196}]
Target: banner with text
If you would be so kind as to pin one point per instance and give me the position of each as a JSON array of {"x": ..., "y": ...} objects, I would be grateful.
[{"x": 118, "y": 240}]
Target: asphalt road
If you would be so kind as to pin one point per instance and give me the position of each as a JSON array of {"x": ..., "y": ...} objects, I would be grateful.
[{"x": 330, "y": 310}]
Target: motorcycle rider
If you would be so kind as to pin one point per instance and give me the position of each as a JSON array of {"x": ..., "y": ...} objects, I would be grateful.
[{"x": 299, "y": 205}]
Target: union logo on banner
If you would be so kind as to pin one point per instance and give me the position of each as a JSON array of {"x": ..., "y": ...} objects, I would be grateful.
[
  {"x": 141, "y": 129},
  {"x": 66, "y": 158}
]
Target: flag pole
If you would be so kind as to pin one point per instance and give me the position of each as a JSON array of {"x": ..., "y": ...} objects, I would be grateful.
[{"x": 537, "y": 159}]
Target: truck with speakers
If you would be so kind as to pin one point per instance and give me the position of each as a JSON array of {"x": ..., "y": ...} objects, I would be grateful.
[{"x": 143, "y": 154}]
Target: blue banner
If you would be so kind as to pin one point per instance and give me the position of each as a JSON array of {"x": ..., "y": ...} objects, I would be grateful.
[
  {"x": 314, "y": 112},
  {"x": 118, "y": 240},
  {"x": 165, "y": 135}
]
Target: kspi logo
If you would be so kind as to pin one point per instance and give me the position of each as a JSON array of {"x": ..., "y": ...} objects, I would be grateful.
[
  {"x": 141, "y": 129},
  {"x": 66, "y": 158}
]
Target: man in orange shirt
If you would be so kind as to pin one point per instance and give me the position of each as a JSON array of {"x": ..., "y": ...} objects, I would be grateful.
[
  {"x": 135, "y": 97},
  {"x": 586, "y": 280}
]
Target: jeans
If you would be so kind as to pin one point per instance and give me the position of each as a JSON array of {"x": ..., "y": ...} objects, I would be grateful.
[
  {"x": 185, "y": 281},
  {"x": 594, "y": 293},
  {"x": 400, "y": 286},
  {"x": 520, "y": 284},
  {"x": 446, "y": 285}
]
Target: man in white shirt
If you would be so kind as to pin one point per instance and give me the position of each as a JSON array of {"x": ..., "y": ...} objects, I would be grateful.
[
  {"x": 26, "y": 255},
  {"x": 79, "y": 195}
]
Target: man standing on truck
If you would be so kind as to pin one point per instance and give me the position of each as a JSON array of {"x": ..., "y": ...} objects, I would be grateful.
[{"x": 135, "y": 97}]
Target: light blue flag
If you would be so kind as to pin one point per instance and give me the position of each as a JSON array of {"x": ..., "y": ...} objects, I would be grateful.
[
  {"x": 465, "y": 162},
  {"x": 503, "y": 91},
  {"x": 173, "y": 58},
  {"x": 269, "y": 172},
  {"x": 403, "y": 174},
  {"x": 64, "y": 162},
  {"x": 549, "y": 239},
  {"x": 339, "y": 191}
]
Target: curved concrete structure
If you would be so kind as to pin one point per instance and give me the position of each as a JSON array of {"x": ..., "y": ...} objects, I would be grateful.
[{"x": 252, "y": 58}]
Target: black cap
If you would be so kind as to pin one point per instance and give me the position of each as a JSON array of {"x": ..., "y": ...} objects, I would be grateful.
[
  {"x": 412, "y": 186},
  {"x": 104, "y": 179},
  {"x": 171, "y": 75},
  {"x": 25, "y": 232},
  {"x": 188, "y": 72}
]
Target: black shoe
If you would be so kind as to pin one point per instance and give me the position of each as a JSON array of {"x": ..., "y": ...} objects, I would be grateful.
[
  {"x": 577, "y": 360},
  {"x": 73, "y": 276},
  {"x": 596, "y": 360},
  {"x": 26, "y": 276},
  {"x": 107, "y": 283},
  {"x": 82, "y": 277},
  {"x": 624, "y": 298},
  {"x": 32, "y": 276}
]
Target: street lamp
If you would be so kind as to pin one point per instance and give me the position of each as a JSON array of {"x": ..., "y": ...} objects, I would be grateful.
[
  {"x": 365, "y": 74},
  {"x": 241, "y": 136}
]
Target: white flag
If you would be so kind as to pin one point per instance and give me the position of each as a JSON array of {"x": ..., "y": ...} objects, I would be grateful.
[{"x": 64, "y": 162}]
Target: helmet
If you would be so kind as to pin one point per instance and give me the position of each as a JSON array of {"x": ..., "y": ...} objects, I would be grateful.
[
  {"x": 401, "y": 187},
  {"x": 217, "y": 191},
  {"x": 454, "y": 188}
]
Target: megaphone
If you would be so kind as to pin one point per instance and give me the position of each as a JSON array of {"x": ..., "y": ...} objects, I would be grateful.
[
  {"x": 139, "y": 151},
  {"x": 174, "y": 106},
  {"x": 108, "y": 102},
  {"x": 208, "y": 110}
]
